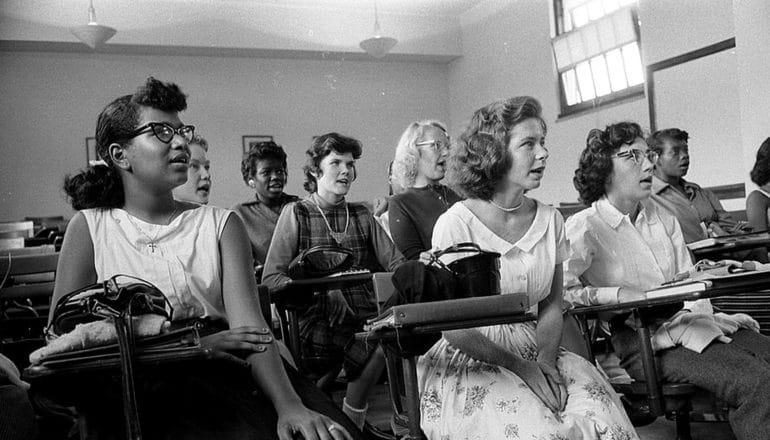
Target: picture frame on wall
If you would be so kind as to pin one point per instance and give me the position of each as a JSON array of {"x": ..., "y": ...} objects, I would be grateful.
[
  {"x": 253, "y": 139},
  {"x": 91, "y": 155}
]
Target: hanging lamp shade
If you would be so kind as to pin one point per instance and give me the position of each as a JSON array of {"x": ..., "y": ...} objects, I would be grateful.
[
  {"x": 377, "y": 46},
  {"x": 93, "y": 34}
]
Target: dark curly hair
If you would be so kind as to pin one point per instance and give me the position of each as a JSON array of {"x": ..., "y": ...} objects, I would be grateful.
[
  {"x": 760, "y": 173},
  {"x": 261, "y": 151},
  {"x": 480, "y": 158},
  {"x": 321, "y": 147},
  {"x": 100, "y": 186},
  {"x": 595, "y": 164},
  {"x": 655, "y": 140}
]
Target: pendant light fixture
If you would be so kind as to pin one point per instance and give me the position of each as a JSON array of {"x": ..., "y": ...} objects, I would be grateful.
[
  {"x": 93, "y": 34},
  {"x": 377, "y": 46}
]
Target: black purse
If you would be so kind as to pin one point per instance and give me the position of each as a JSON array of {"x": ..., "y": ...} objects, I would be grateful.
[
  {"x": 117, "y": 299},
  {"x": 320, "y": 261},
  {"x": 475, "y": 275}
]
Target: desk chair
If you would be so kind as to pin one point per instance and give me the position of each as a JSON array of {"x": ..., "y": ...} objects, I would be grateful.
[
  {"x": 665, "y": 398},
  {"x": 26, "y": 288}
]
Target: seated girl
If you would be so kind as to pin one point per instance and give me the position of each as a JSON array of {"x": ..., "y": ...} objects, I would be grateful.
[
  {"x": 129, "y": 223},
  {"x": 622, "y": 245},
  {"x": 328, "y": 326},
  {"x": 512, "y": 380},
  {"x": 418, "y": 167}
]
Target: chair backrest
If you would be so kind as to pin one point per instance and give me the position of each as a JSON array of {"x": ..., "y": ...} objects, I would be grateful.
[
  {"x": 733, "y": 198},
  {"x": 383, "y": 287},
  {"x": 26, "y": 289}
]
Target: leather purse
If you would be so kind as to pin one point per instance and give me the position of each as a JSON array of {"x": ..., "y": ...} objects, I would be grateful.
[
  {"x": 117, "y": 299},
  {"x": 475, "y": 275},
  {"x": 320, "y": 261}
]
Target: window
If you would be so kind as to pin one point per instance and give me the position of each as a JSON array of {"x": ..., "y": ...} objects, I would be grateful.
[{"x": 596, "y": 49}]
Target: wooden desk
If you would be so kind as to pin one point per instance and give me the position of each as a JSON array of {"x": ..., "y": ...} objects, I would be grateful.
[
  {"x": 390, "y": 339},
  {"x": 297, "y": 293},
  {"x": 734, "y": 243},
  {"x": 643, "y": 312}
]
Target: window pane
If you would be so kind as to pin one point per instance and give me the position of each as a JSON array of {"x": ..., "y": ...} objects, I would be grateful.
[
  {"x": 595, "y": 10},
  {"x": 601, "y": 80},
  {"x": 610, "y": 6},
  {"x": 591, "y": 38},
  {"x": 617, "y": 71},
  {"x": 633, "y": 63},
  {"x": 569, "y": 82},
  {"x": 606, "y": 32},
  {"x": 575, "y": 41},
  {"x": 580, "y": 16},
  {"x": 586, "y": 81},
  {"x": 561, "y": 52},
  {"x": 625, "y": 29}
]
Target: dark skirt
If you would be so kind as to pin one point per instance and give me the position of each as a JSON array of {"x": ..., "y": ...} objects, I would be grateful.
[{"x": 195, "y": 400}]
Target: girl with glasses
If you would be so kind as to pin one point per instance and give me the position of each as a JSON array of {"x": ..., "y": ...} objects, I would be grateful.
[
  {"x": 199, "y": 257},
  {"x": 419, "y": 166},
  {"x": 621, "y": 246}
]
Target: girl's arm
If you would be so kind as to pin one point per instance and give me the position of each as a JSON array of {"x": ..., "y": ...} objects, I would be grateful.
[
  {"x": 549, "y": 322},
  {"x": 283, "y": 249},
  {"x": 75, "y": 268},
  {"x": 756, "y": 211},
  {"x": 243, "y": 311}
]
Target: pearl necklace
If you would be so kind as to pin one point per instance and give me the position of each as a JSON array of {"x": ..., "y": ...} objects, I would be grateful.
[
  {"x": 152, "y": 244},
  {"x": 504, "y": 209},
  {"x": 339, "y": 237}
]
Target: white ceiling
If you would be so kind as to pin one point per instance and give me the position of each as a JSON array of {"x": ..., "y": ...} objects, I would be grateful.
[{"x": 427, "y": 30}]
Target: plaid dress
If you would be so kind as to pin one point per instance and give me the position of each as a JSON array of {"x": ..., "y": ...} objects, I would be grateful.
[{"x": 324, "y": 343}]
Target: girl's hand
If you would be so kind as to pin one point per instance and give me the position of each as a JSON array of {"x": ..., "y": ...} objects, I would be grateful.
[
  {"x": 246, "y": 340},
  {"x": 425, "y": 257},
  {"x": 541, "y": 381},
  {"x": 310, "y": 424},
  {"x": 337, "y": 307}
]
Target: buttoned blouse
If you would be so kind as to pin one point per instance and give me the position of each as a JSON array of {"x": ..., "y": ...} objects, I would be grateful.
[
  {"x": 526, "y": 265},
  {"x": 184, "y": 264},
  {"x": 607, "y": 251}
]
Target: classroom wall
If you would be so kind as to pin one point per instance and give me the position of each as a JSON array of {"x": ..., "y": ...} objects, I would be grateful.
[{"x": 51, "y": 102}]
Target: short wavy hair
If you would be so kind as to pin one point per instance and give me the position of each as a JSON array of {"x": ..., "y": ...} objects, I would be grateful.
[
  {"x": 261, "y": 151},
  {"x": 760, "y": 172},
  {"x": 480, "y": 158},
  {"x": 321, "y": 147},
  {"x": 407, "y": 152},
  {"x": 655, "y": 140},
  {"x": 595, "y": 165},
  {"x": 199, "y": 140}
]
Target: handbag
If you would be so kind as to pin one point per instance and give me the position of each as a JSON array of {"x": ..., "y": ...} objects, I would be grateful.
[
  {"x": 117, "y": 299},
  {"x": 320, "y": 261},
  {"x": 475, "y": 275}
]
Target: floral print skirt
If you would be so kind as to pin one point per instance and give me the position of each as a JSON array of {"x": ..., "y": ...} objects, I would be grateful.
[{"x": 462, "y": 398}]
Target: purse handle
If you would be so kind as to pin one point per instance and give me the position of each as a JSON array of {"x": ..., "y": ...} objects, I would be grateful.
[{"x": 464, "y": 247}]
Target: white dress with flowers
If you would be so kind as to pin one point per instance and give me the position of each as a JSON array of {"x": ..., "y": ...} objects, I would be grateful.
[{"x": 462, "y": 398}]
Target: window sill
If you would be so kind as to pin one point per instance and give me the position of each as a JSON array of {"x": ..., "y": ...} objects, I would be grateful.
[{"x": 629, "y": 95}]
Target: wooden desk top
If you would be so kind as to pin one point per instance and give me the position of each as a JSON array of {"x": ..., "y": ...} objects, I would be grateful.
[
  {"x": 751, "y": 281},
  {"x": 732, "y": 243},
  {"x": 300, "y": 291}
]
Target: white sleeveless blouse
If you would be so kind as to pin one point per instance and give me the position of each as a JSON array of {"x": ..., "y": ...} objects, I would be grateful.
[{"x": 182, "y": 259}]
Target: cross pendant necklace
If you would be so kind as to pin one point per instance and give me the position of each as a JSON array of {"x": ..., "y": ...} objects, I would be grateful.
[
  {"x": 339, "y": 237},
  {"x": 152, "y": 240}
]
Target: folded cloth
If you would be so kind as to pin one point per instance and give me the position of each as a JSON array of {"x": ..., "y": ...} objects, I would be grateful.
[
  {"x": 694, "y": 331},
  {"x": 97, "y": 333},
  {"x": 736, "y": 321}
]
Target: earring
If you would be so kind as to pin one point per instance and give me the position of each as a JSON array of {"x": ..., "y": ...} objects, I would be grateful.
[{"x": 252, "y": 183}]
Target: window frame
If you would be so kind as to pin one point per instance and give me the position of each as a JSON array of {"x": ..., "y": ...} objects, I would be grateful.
[{"x": 629, "y": 93}]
